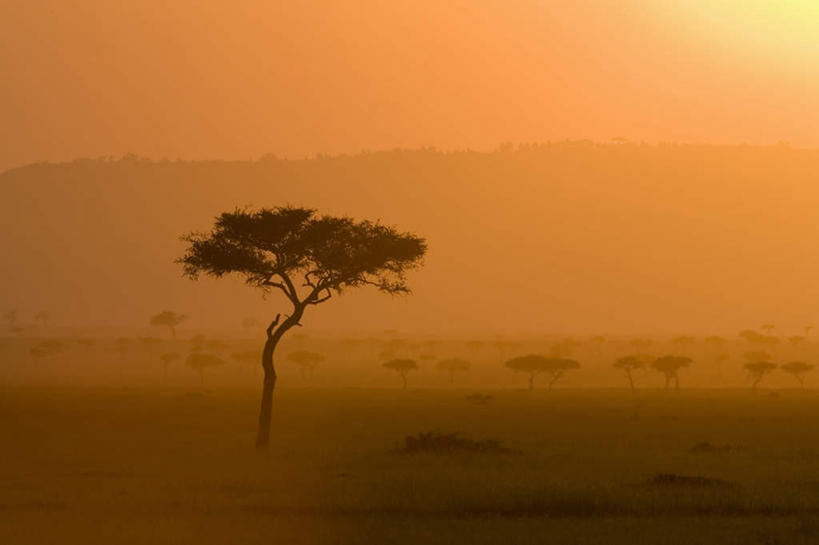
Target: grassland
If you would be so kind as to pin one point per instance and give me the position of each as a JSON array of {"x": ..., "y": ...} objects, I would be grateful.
[{"x": 176, "y": 465}]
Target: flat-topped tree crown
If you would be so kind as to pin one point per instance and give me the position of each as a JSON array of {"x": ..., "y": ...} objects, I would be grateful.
[{"x": 279, "y": 248}]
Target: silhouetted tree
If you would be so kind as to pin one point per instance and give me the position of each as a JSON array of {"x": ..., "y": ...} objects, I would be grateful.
[
  {"x": 452, "y": 366},
  {"x": 272, "y": 248},
  {"x": 535, "y": 364},
  {"x": 758, "y": 339},
  {"x": 798, "y": 369},
  {"x": 807, "y": 329},
  {"x": 756, "y": 355},
  {"x": 598, "y": 341},
  {"x": 670, "y": 367},
  {"x": 640, "y": 343},
  {"x": 563, "y": 348},
  {"x": 10, "y": 317},
  {"x": 630, "y": 364},
  {"x": 682, "y": 342},
  {"x": 306, "y": 361},
  {"x": 42, "y": 318},
  {"x": 168, "y": 318},
  {"x": 796, "y": 340},
  {"x": 767, "y": 328},
  {"x": 199, "y": 362},
  {"x": 757, "y": 370},
  {"x": 402, "y": 366},
  {"x": 474, "y": 346},
  {"x": 167, "y": 360}
]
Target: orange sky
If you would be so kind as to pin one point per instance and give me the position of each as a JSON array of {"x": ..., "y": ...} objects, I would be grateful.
[{"x": 208, "y": 79}]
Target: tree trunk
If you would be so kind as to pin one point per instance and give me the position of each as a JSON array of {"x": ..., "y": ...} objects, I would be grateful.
[
  {"x": 173, "y": 331},
  {"x": 667, "y": 382},
  {"x": 269, "y": 382},
  {"x": 630, "y": 380},
  {"x": 677, "y": 383},
  {"x": 404, "y": 378},
  {"x": 531, "y": 381}
]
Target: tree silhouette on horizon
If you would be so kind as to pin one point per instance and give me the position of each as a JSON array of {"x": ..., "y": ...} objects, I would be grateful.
[
  {"x": 305, "y": 257},
  {"x": 168, "y": 318},
  {"x": 402, "y": 366},
  {"x": 798, "y": 369},
  {"x": 670, "y": 367}
]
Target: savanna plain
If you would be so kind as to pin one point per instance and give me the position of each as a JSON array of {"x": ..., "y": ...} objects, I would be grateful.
[{"x": 142, "y": 456}]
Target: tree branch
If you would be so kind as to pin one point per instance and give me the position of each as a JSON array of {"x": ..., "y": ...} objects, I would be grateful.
[{"x": 272, "y": 325}]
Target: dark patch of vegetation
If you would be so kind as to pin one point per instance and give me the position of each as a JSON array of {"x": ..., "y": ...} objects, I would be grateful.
[
  {"x": 480, "y": 399},
  {"x": 436, "y": 442},
  {"x": 708, "y": 448},
  {"x": 662, "y": 480}
]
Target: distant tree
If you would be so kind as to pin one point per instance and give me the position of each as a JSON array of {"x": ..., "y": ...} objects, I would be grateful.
[
  {"x": 717, "y": 343},
  {"x": 757, "y": 370},
  {"x": 199, "y": 361},
  {"x": 683, "y": 341},
  {"x": 535, "y": 364},
  {"x": 273, "y": 248},
  {"x": 474, "y": 346},
  {"x": 598, "y": 341},
  {"x": 454, "y": 365},
  {"x": 215, "y": 345},
  {"x": 563, "y": 348},
  {"x": 248, "y": 356},
  {"x": 767, "y": 328},
  {"x": 756, "y": 355},
  {"x": 758, "y": 339},
  {"x": 640, "y": 343},
  {"x": 630, "y": 364},
  {"x": 807, "y": 329},
  {"x": 168, "y": 318},
  {"x": 670, "y": 367},
  {"x": 46, "y": 348},
  {"x": 149, "y": 342},
  {"x": 798, "y": 369},
  {"x": 42, "y": 318},
  {"x": 167, "y": 360},
  {"x": 506, "y": 347},
  {"x": 197, "y": 342},
  {"x": 796, "y": 340},
  {"x": 10, "y": 317},
  {"x": 307, "y": 361},
  {"x": 402, "y": 367}
]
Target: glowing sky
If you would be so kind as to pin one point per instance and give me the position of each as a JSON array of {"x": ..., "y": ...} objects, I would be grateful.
[{"x": 197, "y": 79}]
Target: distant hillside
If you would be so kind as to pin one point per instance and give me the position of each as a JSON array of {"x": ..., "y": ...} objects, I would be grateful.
[{"x": 566, "y": 237}]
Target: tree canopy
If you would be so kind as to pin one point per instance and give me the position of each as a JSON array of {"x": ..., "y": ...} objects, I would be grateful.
[{"x": 271, "y": 247}]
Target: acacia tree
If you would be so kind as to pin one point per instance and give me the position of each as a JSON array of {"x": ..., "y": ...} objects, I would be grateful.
[
  {"x": 630, "y": 364},
  {"x": 168, "y": 318},
  {"x": 305, "y": 257},
  {"x": 199, "y": 362},
  {"x": 798, "y": 369},
  {"x": 402, "y": 366},
  {"x": 167, "y": 360},
  {"x": 535, "y": 364},
  {"x": 306, "y": 361},
  {"x": 453, "y": 365},
  {"x": 757, "y": 370},
  {"x": 670, "y": 367}
]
